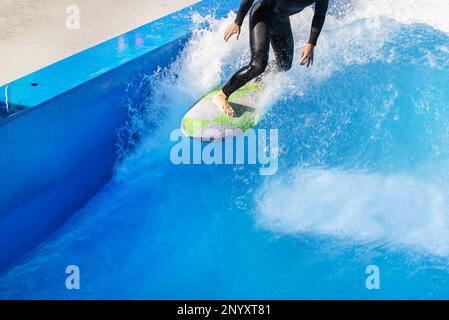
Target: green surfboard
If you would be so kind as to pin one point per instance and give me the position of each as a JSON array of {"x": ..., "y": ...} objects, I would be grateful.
[{"x": 206, "y": 122}]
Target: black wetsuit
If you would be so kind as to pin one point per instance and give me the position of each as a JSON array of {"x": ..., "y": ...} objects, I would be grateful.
[{"x": 270, "y": 22}]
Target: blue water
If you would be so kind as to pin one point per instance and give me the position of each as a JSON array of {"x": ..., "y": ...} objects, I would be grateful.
[{"x": 362, "y": 181}]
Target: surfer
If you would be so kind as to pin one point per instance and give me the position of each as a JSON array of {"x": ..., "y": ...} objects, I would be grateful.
[{"x": 270, "y": 23}]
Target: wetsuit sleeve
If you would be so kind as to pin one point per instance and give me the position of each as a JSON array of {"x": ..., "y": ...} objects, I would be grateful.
[
  {"x": 245, "y": 5},
  {"x": 318, "y": 20}
]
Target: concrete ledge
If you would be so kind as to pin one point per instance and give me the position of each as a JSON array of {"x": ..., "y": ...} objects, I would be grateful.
[{"x": 33, "y": 34}]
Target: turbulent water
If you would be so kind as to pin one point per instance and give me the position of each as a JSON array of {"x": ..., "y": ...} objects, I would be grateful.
[{"x": 363, "y": 176}]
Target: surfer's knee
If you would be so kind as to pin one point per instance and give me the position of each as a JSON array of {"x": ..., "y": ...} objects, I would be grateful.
[
  {"x": 258, "y": 67},
  {"x": 285, "y": 65}
]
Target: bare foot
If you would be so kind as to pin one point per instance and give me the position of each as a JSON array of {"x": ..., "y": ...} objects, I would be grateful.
[{"x": 221, "y": 100}]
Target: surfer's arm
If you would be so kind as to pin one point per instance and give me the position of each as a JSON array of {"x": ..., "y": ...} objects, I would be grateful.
[
  {"x": 245, "y": 5},
  {"x": 318, "y": 20}
]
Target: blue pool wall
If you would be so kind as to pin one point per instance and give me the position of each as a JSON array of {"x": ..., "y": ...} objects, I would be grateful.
[{"x": 60, "y": 147}]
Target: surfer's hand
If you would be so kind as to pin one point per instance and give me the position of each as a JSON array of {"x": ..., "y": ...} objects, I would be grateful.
[
  {"x": 307, "y": 55},
  {"x": 231, "y": 30}
]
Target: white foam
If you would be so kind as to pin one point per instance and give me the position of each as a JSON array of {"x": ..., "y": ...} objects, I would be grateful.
[
  {"x": 395, "y": 209},
  {"x": 431, "y": 12},
  {"x": 356, "y": 37}
]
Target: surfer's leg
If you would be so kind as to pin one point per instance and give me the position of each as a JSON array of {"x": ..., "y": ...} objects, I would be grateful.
[
  {"x": 282, "y": 43},
  {"x": 260, "y": 48}
]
